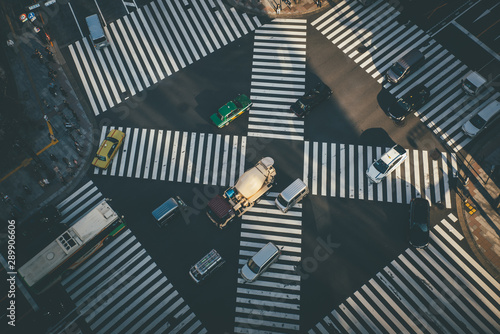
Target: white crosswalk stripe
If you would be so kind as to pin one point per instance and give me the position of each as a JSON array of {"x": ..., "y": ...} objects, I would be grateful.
[
  {"x": 340, "y": 171},
  {"x": 373, "y": 38},
  {"x": 439, "y": 290},
  {"x": 148, "y": 47},
  {"x": 278, "y": 79},
  {"x": 122, "y": 279},
  {"x": 79, "y": 203},
  {"x": 177, "y": 156},
  {"x": 271, "y": 304},
  {"x": 121, "y": 290}
]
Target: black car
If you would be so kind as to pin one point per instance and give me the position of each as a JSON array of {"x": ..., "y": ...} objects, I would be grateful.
[
  {"x": 311, "y": 99},
  {"x": 419, "y": 222},
  {"x": 410, "y": 102}
]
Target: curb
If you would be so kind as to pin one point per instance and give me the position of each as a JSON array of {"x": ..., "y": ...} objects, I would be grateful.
[
  {"x": 271, "y": 13},
  {"x": 471, "y": 241}
]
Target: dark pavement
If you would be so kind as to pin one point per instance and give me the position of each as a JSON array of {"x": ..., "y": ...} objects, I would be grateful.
[{"x": 33, "y": 155}]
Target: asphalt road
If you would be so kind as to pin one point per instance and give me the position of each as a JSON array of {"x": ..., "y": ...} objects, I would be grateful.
[
  {"x": 369, "y": 234},
  {"x": 364, "y": 235}
]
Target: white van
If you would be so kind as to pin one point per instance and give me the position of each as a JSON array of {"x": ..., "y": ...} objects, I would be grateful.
[
  {"x": 260, "y": 262},
  {"x": 482, "y": 119},
  {"x": 206, "y": 266},
  {"x": 97, "y": 34},
  {"x": 292, "y": 194},
  {"x": 473, "y": 83}
]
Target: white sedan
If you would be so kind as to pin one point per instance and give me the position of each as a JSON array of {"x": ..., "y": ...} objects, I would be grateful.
[
  {"x": 386, "y": 164},
  {"x": 485, "y": 117}
]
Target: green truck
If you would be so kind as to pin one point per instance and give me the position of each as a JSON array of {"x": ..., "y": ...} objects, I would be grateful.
[{"x": 231, "y": 110}]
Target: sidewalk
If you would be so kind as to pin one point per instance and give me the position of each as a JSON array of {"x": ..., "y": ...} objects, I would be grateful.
[
  {"x": 39, "y": 156},
  {"x": 482, "y": 227},
  {"x": 295, "y": 8}
]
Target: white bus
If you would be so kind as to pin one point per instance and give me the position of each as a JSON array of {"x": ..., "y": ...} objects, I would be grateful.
[{"x": 71, "y": 248}]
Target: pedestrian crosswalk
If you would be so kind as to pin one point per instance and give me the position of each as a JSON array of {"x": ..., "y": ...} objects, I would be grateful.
[
  {"x": 440, "y": 289},
  {"x": 373, "y": 38},
  {"x": 278, "y": 79},
  {"x": 79, "y": 203},
  {"x": 339, "y": 170},
  {"x": 153, "y": 42},
  {"x": 121, "y": 290},
  {"x": 271, "y": 304},
  {"x": 178, "y": 156}
]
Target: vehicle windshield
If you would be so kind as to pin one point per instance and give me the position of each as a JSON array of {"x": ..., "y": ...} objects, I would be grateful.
[
  {"x": 100, "y": 157},
  {"x": 111, "y": 150},
  {"x": 253, "y": 267},
  {"x": 398, "y": 69},
  {"x": 282, "y": 201},
  {"x": 111, "y": 139},
  {"x": 470, "y": 85},
  {"x": 421, "y": 226},
  {"x": 195, "y": 273},
  {"x": 380, "y": 166},
  {"x": 238, "y": 104},
  {"x": 403, "y": 104},
  {"x": 478, "y": 122},
  {"x": 100, "y": 40},
  {"x": 424, "y": 227},
  {"x": 219, "y": 116},
  {"x": 301, "y": 105}
]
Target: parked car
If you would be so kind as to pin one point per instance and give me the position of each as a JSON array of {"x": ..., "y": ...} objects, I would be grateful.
[
  {"x": 260, "y": 262},
  {"x": 482, "y": 119},
  {"x": 389, "y": 161},
  {"x": 231, "y": 110},
  {"x": 410, "y": 102},
  {"x": 311, "y": 99},
  {"x": 108, "y": 149},
  {"x": 419, "y": 223},
  {"x": 406, "y": 65}
]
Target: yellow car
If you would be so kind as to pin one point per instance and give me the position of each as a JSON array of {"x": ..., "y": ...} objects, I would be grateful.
[{"x": 108, "y": 149}]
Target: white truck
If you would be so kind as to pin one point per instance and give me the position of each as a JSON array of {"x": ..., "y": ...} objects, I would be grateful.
[{"x": 235, "y": 201}]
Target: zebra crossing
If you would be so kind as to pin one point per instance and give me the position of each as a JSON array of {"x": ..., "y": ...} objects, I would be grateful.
[
  {"x": 271, "y": 303},
  {"x": 278, "y": 79},
  {"x": 178, "y": 156},
  {"x": 120, "y": 289},
  {"x": 372, "y": 37},
  {"x": 339, "y": 170},
  {"x": 153, "y": 42},
  {"x": 441, "y": 289},
  {"x": 79, "y": 203}
]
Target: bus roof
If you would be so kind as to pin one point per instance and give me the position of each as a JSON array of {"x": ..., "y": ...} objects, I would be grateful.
[{"x": 61, "y": 249}]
